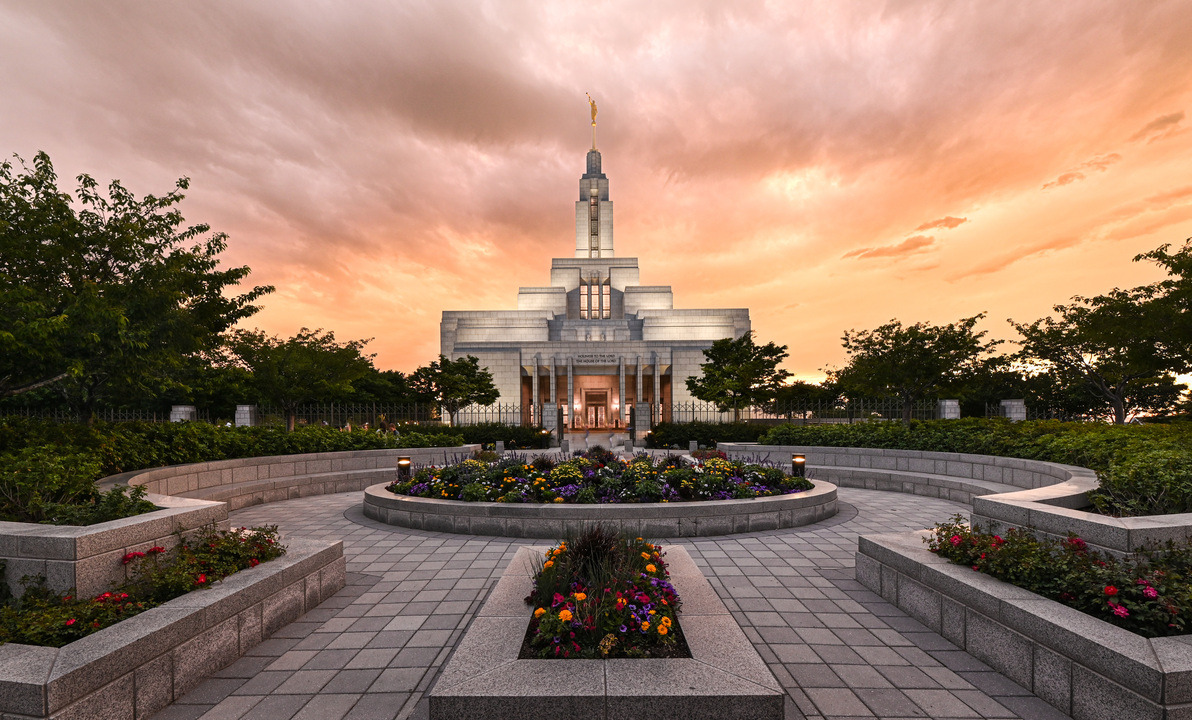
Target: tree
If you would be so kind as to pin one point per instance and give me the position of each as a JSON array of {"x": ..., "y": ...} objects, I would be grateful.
[
  {"x": 110, "y": 299},
  {"x": 455, "y": 384},
  {"x": 739, "y": 373},
  {"x": 1170, "y": 301},
  {"x": 799, "y": 396},
  {"x": 309, "y": 367},
  {"x": 1117, "y": 345},
  {"x": 914, "y": 362}
]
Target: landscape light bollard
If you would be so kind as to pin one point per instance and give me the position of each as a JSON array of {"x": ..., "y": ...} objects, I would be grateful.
[
  {"x": 798, "y": 465},
  {"x": 403, "y": 468}
]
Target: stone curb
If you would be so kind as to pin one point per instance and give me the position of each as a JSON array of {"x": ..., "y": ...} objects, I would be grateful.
[
  {"x": 541, "y": 520},
  {"x": 139, "y": 666},
  {"x": 725, "y": 678},
  {"x": 1079, "y": 664}
]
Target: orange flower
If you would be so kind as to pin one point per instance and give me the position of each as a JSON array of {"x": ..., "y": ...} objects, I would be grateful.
[
  {"x": 662, "y": 630},
  {"x": 565, "y": 615},
  {"x": 539, "y": 612},
  {"x": 645, "y": 626},
  {"x": 549, "y": 564},
  {"x": 651, "y": 568},
  {"x": 581, "y": 597},
  {"x": 645, "y": 556}
]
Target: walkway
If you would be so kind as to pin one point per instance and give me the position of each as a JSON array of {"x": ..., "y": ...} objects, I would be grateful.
[{"x": 372, "y": 651}]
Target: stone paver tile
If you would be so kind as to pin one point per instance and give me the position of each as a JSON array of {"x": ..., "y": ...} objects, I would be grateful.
[
  {"x": 305, "y": 682},
  {"x": 941, "y": 703},
  {"x": 327, "y": 706},
  {"x": 861, "y": 676},
  {"x": 279, "y": 707},
  {"x": 838, "y": 702},
  {"x": 352, "y": 681},
  {"x": 814, "y": 676},
  {"x": 180, "y": 712},
  {"x": 293, "y": 660},
  {"x": 211, "y": 691},
  {"x": 232, "y": 707},
  {"x": 263, "y": 683},
  {"x": 1033, "y": 708},
  {"x": 395, "y": 680},
  {"x": 889, "y": 703}
]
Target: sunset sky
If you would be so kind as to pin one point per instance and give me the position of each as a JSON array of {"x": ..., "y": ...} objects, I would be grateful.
[{"x": 827, "y": 165}]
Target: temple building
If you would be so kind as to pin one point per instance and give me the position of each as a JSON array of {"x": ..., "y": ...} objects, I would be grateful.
[{"x": 594, "y": 342}]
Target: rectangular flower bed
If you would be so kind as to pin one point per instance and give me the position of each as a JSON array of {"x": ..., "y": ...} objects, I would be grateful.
[
  {"x": 136, "y": 667},
  {"x": 725, "y": 678},
  {"x": 1083, "y": 666}
]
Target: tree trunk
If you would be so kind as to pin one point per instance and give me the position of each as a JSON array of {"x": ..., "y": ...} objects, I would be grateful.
[
  {"x": 907, "y": 407},
  {"x": 290, "y": 415},
  {"x": 1119, "y": 410}
]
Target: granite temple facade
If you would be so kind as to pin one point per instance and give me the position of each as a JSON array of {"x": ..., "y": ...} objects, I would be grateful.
[{"x": 594, "y": 342}]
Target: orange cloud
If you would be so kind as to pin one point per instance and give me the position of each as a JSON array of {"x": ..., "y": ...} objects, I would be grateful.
[
  {"x": 1065, "y": 179},
  {"x": 906, "y": 247},
  {"x": 1161, "y": 127},
  {"x": 948, "y": 223}
]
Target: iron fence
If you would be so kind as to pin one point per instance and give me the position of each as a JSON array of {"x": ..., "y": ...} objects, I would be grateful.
[
  {"x": 840, "y": 411},
  {"x": 113, "y": 415}
]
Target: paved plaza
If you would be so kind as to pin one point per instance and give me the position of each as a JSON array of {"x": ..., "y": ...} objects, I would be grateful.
[{"x": 373, "y": 651}]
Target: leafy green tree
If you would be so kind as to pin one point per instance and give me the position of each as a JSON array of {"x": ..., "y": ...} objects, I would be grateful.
[
  {"x": 105, "y": 301},
  {"x": 800, "y": 396},
  {"x": 739, "y": 373},
  {"x": 1117, "y": 345},
  {"x": 1170, "y": 301},
  {"x": 455, "y": 384},
  {"x": 912, "y": 363},
  {"x": 387, "y": 386},
  {"x": 309, "y": 367}
]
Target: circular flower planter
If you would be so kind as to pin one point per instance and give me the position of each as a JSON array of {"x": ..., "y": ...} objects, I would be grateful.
[{"x": 534, "y": 520}]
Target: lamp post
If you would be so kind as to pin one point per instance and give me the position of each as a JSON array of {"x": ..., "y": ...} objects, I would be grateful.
[
  {"x": 798, "y": 465},
  {"x": 403, "y": 468}
]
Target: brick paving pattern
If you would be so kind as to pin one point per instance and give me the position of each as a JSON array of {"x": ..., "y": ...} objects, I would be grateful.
[{"x": 372, "y": 651}]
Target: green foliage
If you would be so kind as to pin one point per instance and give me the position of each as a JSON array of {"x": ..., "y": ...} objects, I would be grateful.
[
  {"x": 309, "y": 367},
  {"x": 1148, "y": 594},
  {"x": 110, "y": 299},
  {"x": 455, "y": 384},
  {"x": 739, "y": 373},
  {"x": 913, "y": 362},
  {"x": 600, "y": 594},
  {"x": 43, "y": 618},
  {"x": 35, "y": 479},
  {"x": 116, "y": 503},
  {"x": 1144, "y": 469},
  {"x": 667, "y": 435},
  {"x": 514, "y": 436},
  {"x": 599, "y": 477}
]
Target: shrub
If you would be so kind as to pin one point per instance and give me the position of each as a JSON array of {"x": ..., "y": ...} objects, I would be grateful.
[
  {"x": 665, "y": 435},
  {"x": 119, "y": 502},
  {"x": 1148, "y": 594},
  {"x": 600, "y": 594},
  {"x": 41, "y": 617},
  {"x": 514, "y": 436},
  {"x": 1144, "y": 469},
  {"x": 34, "y": 478}
]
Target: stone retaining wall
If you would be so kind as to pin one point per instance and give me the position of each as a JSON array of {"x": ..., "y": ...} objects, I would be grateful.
[
  {"x": 541, "y": 520},
  {"x": 137, "y": 667},
  {"x": 89, "y": 558},
  {"x": 1081, "y": 665}
]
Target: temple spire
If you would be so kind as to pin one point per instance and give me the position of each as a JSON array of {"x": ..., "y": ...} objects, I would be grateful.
[{"x": 593, "y": 104}]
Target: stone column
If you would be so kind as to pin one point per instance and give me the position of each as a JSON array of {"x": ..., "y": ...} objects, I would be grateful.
[
  {"x": 554, "y": 382},
  {"x": 948, "y": 410},
  {"x": 621, "y": 390},
  {"x": 571, "y": 391},
  {"x": 534, "y": 391},
  {"x": 182, "y": 413},
  {"x": 657, "y": 387},
  {"x": 638, "y": 364},
  {"x": 246, "y": 415},
  {"x": 1015, "y": 410}
]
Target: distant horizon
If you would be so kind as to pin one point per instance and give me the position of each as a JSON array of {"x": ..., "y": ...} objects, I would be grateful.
[{"x": 827, "y": 167}]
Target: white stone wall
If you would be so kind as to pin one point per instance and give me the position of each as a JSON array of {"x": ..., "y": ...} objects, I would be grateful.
[
  {"x": 546, "y": 299},
  {"x": 652, "y": 297}
]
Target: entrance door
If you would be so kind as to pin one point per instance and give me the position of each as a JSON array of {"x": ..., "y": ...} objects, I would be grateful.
[{"x": 596, "y": 408}]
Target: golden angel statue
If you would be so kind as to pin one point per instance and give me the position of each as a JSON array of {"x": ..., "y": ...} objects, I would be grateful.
[{"x": 593, "y": 104}]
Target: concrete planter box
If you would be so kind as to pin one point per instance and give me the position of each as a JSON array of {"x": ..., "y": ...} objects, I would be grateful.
[
  {"x": 1081, "y": 665},
  {"x": 88, "y": 558},
  {"x": 139, "y": 666},
  {"x": 537, "y": 520},
  {"x": 725, "y": 678}
]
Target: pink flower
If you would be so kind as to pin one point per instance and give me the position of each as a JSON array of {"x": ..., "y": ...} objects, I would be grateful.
[
  {"x": 1150, "y": 592},
  {"x": 1121, "y": 611},
  {"x": 955, "y": 540}
]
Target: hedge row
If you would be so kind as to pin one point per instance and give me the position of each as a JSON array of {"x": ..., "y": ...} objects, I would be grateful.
[
  {"x": 678, "y": 435},
  {"x": 1144, "y": 469}
]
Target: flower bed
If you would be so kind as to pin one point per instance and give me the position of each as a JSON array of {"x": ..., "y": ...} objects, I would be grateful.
[
  {"x": 599, "y": 477},
  {"x": 45, "y": 618},
  {"x": 1147, "y": 594},
  {"x": 603, "y": 595}
]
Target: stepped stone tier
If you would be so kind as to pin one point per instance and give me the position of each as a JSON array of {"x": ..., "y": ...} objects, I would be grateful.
[{"x": 594, "y": 342}]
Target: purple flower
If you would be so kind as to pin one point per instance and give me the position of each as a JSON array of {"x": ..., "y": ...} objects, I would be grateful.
[{"x": 623, "y": 628}]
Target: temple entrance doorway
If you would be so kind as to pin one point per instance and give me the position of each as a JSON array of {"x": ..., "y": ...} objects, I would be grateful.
[{"x": 596, "y": 408}]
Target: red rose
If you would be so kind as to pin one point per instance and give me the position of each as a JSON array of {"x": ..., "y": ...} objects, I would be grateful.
[{"x": 1111, "y": 590}]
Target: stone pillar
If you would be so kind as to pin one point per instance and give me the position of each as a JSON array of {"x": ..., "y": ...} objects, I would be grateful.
[
  {"x": 534, "y": 389},
  {"x": 948, "y": 410},
  {"x": 246, "y": 415},
  {"x": 1015, "y": 410},
  {"x": 571, "y": 391},
  {"x": 549, "y": 420},
  {"x": 638, "y": 364},
  {"x": 181, "y": 413},
  {"x": 500, "y": 447},
  {"x": 621, "y": 396},
  {"x": 554, "y": 382},
  {"x": 692, "y": 445},
  {"x": 642, "y": 418},
  {"x": 657, "y": 388}
]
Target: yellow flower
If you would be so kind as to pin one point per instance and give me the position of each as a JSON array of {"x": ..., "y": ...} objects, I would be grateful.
[
  {"x": 651, "y": 568},
  {"x": 645, "y": 626},
  {"x": 581, "y": 596},
  {"x": 665, "y": 621},
  {"x": 662, "y": 630},
  {"x": 653, "y": 611},
  {"x": 558, "y": 499},
  {"x": 565, "y": 615},
  {"x": 549, "y": 564},
  {"x": 539, "y": 612}
]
